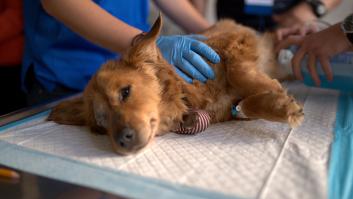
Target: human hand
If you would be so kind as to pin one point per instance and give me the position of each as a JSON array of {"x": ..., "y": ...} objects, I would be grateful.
[
  {"x": 299, "y": 30},
  {"x": 322, "y": 46},
  {"x": 185, "y": 54},
  {"x": 299, "y": 15}
]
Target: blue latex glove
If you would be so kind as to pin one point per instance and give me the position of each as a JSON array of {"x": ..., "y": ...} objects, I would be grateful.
[{"x": 184, "y": 53}]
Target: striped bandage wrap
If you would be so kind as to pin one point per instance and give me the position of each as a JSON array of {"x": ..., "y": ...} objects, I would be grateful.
[{"x": 202, "y": 121}]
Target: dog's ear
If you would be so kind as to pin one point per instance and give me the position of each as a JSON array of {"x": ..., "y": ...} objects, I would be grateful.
[
  {"x": 69, "y": 112},
  {"x": 144, "y": 47},
  {"x": 155, "y": 30}
]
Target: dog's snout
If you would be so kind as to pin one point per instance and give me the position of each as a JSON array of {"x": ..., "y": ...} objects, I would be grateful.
[
  {"x": 128, "y": 135},
  {"x": 128, "y": 141},
  {"x": 126, "y": 138}
]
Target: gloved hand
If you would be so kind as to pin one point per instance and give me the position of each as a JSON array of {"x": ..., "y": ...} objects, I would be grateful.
[{"x": 184, "y": 53}]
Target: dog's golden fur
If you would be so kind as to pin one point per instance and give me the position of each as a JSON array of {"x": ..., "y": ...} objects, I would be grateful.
[{"x": 141, "y": 92}]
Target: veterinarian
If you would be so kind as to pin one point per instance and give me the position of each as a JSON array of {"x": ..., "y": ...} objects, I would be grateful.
[
  {"x": 67, "y": 41},
  {"x": 269, "y": 14},
  {"x": 320, "y": 47}
]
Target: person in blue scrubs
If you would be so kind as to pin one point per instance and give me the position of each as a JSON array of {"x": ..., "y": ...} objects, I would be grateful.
[{"x": 66, "y": 42}]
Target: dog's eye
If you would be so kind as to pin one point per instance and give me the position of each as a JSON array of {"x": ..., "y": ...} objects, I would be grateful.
[{"x": 124, "y": 93}]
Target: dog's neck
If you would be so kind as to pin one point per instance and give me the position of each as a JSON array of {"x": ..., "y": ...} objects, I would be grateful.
[{"x": 173, "y": 105}]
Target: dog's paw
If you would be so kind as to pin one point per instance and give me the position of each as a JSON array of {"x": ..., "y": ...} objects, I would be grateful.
[
  {"x": 287, "y": 108},
  {"x": 195, "y": 121},
  {"x": 295, "y": 114},
  {"x": 273, "y": 106}
]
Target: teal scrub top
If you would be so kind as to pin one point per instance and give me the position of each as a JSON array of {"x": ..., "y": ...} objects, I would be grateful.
[{"x": 60, "y": 57}]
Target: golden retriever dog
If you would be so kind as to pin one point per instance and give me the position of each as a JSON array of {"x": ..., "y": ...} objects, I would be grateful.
[{"x": 139, "y": 96}]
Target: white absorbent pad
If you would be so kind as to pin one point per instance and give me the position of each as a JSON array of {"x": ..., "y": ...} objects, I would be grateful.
[{"x": 246, "y": 159}]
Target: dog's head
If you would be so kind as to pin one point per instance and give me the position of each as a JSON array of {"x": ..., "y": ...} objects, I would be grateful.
[{"x": 122, "y": 98}]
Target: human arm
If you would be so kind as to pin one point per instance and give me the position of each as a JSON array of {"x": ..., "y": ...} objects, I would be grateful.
[
  {"x": 93, "y": 23},
  {"x": 11, "y": 20},
  {"x": 184, "y": 14},
  {"x": 200, "y": 6},
  {"x": 320, "y": 46},
  {"x": 96, "y": 25}
]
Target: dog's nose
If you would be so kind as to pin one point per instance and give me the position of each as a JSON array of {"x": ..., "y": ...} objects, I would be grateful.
[{"x": 126, "y": 138}]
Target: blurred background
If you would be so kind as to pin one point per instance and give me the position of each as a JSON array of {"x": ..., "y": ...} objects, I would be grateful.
[{"x": 339, "y": 13}]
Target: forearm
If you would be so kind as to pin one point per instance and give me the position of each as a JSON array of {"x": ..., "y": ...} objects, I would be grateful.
[
  {"x": 184, "y": 14},
  {"x": 92, "y": 23},
  {"x": 200, "y": 6}
]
